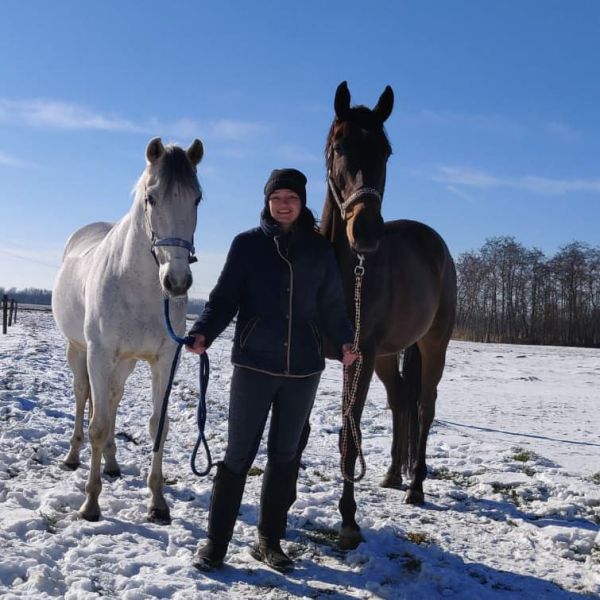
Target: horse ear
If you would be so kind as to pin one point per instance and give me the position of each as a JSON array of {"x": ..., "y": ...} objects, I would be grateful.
[
  {"x": 154, "y": 150},
  {"x": 195, "y": 152},
  {"x": 385, "y": 104},
  {"x": 342, "y": 101}
]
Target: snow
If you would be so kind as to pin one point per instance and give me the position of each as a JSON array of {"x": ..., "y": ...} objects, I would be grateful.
[{"x": 513, "y": 494}]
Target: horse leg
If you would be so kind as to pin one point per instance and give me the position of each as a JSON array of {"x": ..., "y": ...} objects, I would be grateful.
[
  {"x": 81, "y": 388},
  {"x": 388, "y": 371},
  {"x": 100, "y": 369},
  {"x": 158, "y": 509},
  {"x": 122, "y": 372},
  {"x": 350, "y": 536},
  {"x": 433, "y": 357}
]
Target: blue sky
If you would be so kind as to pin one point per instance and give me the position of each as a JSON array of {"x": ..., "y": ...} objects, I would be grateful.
[{"x": 495, "y": 130}]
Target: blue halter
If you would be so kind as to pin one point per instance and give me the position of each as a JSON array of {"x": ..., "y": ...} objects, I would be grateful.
[
  {"x": 168, "y": 241},
  {"x": 171, "y": 241}
]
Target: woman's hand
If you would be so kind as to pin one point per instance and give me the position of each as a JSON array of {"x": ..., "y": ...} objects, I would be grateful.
[
  {"x": 199, "y": 346},
  {"x": 348, "y": 357}
]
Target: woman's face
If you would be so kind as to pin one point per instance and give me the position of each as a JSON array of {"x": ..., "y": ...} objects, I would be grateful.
[{"x": 285, "y": 207}]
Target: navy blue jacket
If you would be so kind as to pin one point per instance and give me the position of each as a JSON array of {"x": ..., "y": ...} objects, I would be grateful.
[{"x": 286, "y": 290}]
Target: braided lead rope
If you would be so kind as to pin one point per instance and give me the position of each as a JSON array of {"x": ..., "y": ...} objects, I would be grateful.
[
  {"x": 201, "y": 410},
  {"x": 349, "y": 426}
]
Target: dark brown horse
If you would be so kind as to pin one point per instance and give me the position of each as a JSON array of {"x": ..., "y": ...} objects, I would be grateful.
[{"x": 408, "y": 295}]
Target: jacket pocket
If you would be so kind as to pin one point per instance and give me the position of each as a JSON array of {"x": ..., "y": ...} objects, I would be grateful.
[
  {"x": 317, "y": 336},
  {"x": 247, "y": 331}
]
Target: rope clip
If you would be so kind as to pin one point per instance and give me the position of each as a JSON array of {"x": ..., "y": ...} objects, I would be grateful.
[{"x": 359, "y": 270}]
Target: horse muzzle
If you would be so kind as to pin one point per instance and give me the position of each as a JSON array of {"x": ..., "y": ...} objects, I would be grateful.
[
  {"x": 365, "y": 231},
  {"x": 176, "y": 287}
]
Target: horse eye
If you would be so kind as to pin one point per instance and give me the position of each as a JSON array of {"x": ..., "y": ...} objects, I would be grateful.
[
  {"x": 338, "y": 149},
  {"x": 150, "y": 200}
]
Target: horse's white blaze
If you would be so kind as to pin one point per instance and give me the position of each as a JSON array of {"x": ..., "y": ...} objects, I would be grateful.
[{"x": 107, "y": 301}]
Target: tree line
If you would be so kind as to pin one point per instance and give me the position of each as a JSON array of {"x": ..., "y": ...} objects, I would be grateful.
[
  {"x": 506, "y": 293},
  {"x": 513, "y": 294},
  {"x": 28, "y": 295}
]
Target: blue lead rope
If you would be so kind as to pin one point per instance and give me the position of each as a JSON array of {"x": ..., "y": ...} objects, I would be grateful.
[{"x": 201, "y": 411}]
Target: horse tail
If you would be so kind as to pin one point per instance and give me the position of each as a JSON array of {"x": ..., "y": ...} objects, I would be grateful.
[{"x": 408, "y": 417}]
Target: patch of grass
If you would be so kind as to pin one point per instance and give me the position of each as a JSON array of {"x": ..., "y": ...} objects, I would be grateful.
[
  {"x": 529, "y": 471},
  {"x": 445, "y": 474},
  {"x": 441, "y": 473},
  {"x": 508, "y": 491},
  {"x": 324, "y": 536},
  {"x": 538, "y": 492},
  {"x": 411, "y": 563},
  {"x": 255, "y": 471},
  {"x": 522, "y": 455},
  {"x": 502, "y": 586},
  {"x": 330, "y": 535},
  {"x": 50, "y": 522},
  {"x": 323, "y": 592},
  {"x": 479, "y": 576},
  {"x": 417, "y": 537},
  {"x": 408, "y": 561},
  {"x": 321, "y": 476},
  {"x": 595, "y": 478}
]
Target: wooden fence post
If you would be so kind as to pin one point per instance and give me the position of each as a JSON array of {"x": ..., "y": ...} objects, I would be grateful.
[
  {"x": 15, "y": 315},
  {"x": 11, "y": 312},
  {"x": 4, "y": 312}
]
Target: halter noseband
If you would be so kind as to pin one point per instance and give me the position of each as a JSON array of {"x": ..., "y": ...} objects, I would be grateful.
[
  {"x": 348, "y": 203},
  {"x": 173, "y": 242},
  {"x": 168, "y": 241}
]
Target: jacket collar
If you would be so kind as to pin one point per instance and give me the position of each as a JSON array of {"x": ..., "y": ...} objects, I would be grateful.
[{"x": 270, "y": 227}]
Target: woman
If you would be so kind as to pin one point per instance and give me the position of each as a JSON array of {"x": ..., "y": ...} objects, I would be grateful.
[{"x": 283, "y": 282}]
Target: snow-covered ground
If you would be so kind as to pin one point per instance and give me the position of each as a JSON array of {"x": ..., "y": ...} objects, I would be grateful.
[{"x": 513, "y": 496}]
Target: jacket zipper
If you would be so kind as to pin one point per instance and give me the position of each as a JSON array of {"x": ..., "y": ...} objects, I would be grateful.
[{"x": 291, "y": 291}]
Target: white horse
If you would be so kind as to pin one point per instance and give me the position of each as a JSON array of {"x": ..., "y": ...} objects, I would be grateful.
[{"x": 108, "y": 302}]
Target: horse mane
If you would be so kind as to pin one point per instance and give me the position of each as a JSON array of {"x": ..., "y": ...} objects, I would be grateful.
[
  {"x": 327, "y": 215},
  {"x": 174, "y": 167}
]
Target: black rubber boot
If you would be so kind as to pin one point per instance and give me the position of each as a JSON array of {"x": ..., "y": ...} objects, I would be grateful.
[
  {"x": 225, "y": 501},
  {"x": 278, "y": 481},
  {"x": 269, "y": 552}
]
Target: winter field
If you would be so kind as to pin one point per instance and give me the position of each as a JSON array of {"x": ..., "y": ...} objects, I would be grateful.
[{"x": 513, "y": 494}]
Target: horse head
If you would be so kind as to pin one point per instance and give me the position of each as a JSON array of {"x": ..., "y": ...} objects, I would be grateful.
[
  {"x": 357, "y": 152},
  {"x": 170, "y": 192}
]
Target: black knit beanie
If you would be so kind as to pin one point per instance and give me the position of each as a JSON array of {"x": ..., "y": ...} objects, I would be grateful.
[{"x": 288, "y": 179}]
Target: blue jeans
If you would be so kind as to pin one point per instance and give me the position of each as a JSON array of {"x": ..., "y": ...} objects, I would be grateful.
[{"x": 252, "y": 395}]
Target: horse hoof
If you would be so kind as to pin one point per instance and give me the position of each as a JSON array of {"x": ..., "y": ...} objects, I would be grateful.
[
  {"x": 350, "y": 538},
  {"x": 89, "y": 514},
  {"x": 392, "y": 481},
  {"x": 414, "y": 497},
  {"x": 90, "y": 510},
  {"x": 112, "y": 473},
  {"x": 90, "y": 518},
  {"x": 160, "y": 516},
  {"x": 70, "y": 466}
]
